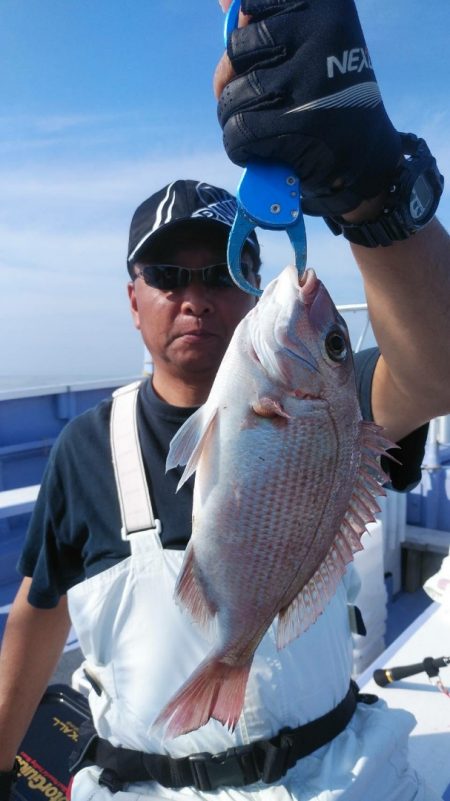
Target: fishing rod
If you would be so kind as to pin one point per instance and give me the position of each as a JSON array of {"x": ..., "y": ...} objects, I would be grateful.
[{"x": 385, "y": 676}]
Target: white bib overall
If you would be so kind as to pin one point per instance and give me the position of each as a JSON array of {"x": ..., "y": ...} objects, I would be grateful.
[{"x": 139, "y": 647}]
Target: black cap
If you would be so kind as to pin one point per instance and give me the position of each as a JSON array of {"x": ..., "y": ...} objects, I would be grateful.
[{"x": 178, "y": 202}]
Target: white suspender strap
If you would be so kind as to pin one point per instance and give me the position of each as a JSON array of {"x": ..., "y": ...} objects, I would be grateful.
[{"x": 134, "y": 498}]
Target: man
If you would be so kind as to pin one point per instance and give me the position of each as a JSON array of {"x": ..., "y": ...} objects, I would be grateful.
[{"x": 108, "y": 532}]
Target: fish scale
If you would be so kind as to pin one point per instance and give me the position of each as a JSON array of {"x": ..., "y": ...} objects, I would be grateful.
[{"x": 287, "y": 475}]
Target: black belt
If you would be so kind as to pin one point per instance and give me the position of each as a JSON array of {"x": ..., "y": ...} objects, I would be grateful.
[{"x": 263, "y": 760}]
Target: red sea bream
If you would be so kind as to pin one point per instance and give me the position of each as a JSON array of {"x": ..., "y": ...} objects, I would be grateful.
[{"x": 286, "y": 478}]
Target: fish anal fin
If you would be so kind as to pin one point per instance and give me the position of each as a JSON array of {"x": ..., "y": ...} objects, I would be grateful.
[
  {"x": 269, "y": 407},
  {"x": 189, "y": 594},
  {"x": 188, "y": 443}
]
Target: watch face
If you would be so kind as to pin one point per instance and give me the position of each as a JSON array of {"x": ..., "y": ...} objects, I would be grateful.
[{"x": 421, "y": 201}]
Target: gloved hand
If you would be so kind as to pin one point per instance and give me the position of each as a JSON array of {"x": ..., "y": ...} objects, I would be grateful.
[
  {"x": 7, "y": 780},
  {"x": 306, "y": 95}
]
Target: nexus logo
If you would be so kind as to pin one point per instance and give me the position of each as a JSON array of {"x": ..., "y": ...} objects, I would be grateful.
[{"x": 354, "y": 60}]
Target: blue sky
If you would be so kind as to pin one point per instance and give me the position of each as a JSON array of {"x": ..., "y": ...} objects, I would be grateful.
[{"x": 105, "y": 101}]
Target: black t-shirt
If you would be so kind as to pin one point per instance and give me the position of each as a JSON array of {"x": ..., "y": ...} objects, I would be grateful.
[{"x": 74, "y": 532}]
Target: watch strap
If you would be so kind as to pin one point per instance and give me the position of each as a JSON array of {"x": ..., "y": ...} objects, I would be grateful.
[
  {"x": 400, "y": 217},
  {"x": 388, "y": 228}
]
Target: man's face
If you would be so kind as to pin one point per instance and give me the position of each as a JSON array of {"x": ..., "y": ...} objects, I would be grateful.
[{"x": 187, "y": 329}]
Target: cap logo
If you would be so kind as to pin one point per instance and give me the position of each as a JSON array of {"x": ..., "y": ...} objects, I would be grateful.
[
  {"x": 219, "y": 204},
  {"x": 224, "y": 211}
]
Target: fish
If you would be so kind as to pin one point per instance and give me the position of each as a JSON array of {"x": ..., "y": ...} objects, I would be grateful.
[{"x": 287, "y": 476}]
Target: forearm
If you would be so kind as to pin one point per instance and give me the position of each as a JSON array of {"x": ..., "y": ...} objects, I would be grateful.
[
  {"x": 32, "y": 644},
  {"x": 407, "y": 287}
]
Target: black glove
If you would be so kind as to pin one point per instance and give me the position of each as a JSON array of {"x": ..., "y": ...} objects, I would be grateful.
[
  {"x": 306, "y": 95},
  {"x": 7, "y": 780}
]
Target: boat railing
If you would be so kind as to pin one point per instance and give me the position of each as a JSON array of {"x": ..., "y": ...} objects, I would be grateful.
[
  {"x": 18, "y": 501},
  {"x": 345, "y": 308}
]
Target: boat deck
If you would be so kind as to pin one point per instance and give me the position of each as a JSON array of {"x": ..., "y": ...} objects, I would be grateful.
[{"x": 429, "y": 744}]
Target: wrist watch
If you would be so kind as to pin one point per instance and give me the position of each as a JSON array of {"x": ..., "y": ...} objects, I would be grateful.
[{"x": 411, "y": 203}]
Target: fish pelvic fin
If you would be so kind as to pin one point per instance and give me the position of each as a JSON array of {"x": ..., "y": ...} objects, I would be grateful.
[
  {"x": 311, "y": 601},
  {"x": 215, "y": 690},
  {"x": 188, "y": 443},
  {"x": 190, "y": 595}
]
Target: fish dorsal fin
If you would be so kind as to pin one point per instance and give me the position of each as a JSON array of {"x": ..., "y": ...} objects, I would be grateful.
[
  {"x": 189, "y": 594},
  {"x": 311, "y": 601},
  {"x": 188, "y": 442}
]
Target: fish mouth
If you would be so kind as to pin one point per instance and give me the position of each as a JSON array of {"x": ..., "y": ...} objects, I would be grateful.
[{"x": 308, "y": 285}]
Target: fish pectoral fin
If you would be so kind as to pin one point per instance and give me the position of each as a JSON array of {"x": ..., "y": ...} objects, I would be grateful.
[
  {"x": 269, "y": 407},
  {"x": 189, "y": 441},
  {"x": 190, "y": 594}
]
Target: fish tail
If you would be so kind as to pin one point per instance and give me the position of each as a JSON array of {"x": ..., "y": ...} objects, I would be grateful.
[{"x": 215, "y": 690}]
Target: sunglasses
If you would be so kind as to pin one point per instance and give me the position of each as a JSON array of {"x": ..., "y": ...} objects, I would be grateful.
[{"x": 169, "y": 276}]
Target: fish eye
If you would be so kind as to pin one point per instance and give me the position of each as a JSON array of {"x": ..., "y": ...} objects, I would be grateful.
[{"x": 336, "y": 345}]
